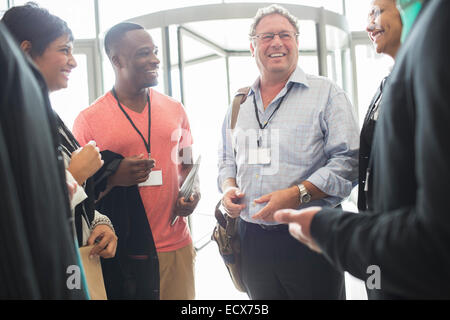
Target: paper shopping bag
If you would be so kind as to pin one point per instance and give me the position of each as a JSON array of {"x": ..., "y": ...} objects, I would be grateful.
[{"x": 94, "y": 275}]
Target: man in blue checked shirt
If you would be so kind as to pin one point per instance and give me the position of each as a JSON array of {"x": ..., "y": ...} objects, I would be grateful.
[{"x": 295, "y": 145}]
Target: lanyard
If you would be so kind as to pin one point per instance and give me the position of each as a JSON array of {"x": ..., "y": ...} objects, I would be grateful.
[
  {"x": 274, "y": 111},
  {"x": 262, "y": 127},
  {"x": 147, "y": 145}
]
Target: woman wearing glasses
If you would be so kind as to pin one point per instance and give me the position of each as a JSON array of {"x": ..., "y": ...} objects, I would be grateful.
[{"x": 384, "y": 29}]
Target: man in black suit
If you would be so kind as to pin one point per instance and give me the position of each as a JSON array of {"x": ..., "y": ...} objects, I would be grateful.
[{"x": 405, "y": 241}]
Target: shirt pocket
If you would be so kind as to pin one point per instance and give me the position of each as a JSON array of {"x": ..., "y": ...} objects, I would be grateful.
[{"x": 296, "y": 145}]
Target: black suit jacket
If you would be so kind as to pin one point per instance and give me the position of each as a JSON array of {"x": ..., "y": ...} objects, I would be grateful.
[
  {"x": 124, "y": 207},
  {"x": 365, "y": 147},
  {"x": 408, "y": 234},
  {"x": 36, "y": 240}
]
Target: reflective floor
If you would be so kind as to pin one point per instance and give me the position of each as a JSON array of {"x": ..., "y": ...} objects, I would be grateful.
[{"x": 214, "y": 283}]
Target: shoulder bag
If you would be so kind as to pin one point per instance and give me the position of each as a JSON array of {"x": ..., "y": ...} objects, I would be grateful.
[{"x": 225, "y": 232}]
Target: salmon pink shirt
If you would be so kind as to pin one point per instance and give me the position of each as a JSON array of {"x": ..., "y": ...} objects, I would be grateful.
[{"x": 107, "y": 125}]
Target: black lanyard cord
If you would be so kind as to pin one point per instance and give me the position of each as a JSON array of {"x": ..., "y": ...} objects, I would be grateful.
[
  {"x": 147, "y": 145},
  {"x": 274, "y": 111}
]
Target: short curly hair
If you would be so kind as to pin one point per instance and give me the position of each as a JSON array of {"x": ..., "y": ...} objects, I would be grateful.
[{"x": 273, "y": 9}]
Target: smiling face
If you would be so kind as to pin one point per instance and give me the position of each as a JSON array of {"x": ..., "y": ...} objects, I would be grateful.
[
  {"x": 277, "y": 58},
  {"x": 56, "y": 63},
  {"x": 385, "y": 27},
  {"x": 138, "y": 63}
]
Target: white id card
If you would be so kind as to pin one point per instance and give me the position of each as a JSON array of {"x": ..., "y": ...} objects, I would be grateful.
[
  {"x": 154, "y": 179},
  {"x": 259, "y": 156}
]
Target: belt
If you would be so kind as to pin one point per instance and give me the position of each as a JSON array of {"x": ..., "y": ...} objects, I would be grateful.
[
  {"x": 138, "y": 257},
  {"x": 265, "y": 227},
  {"x": 277, "y": 227}
]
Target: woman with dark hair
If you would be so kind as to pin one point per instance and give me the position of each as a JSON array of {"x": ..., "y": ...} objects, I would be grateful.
[{"x": 49, "y": 42}]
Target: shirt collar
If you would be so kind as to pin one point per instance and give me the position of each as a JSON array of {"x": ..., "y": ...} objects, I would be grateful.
[{"x": 298, "y": 76}]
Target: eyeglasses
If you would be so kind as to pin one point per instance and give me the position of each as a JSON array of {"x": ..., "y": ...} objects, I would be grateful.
[
  {"x": 374, "y": 14},
  {"x": 269, "y": 36}
]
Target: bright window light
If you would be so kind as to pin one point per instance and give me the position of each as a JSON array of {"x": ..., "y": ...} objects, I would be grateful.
[{"x": 78, "y": 14}]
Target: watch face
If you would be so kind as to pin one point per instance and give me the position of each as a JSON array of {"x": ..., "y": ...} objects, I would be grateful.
[{"x": 306, "y": 198}]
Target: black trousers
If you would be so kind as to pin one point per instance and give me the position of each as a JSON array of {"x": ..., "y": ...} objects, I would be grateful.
[
  {"x": 275, "y": 266},
  {"x": 131, "y": 279}
]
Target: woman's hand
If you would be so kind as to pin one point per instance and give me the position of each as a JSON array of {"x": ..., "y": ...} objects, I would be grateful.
[
  {"x": 85, "y": 162},
  {"x": 104, "y": 240}
]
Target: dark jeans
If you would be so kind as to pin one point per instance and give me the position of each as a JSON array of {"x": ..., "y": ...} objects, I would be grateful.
[{"x": 277, "y": 266}]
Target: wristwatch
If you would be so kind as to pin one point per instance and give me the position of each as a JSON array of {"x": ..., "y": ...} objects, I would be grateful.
[{"x": 305, "y": 196}]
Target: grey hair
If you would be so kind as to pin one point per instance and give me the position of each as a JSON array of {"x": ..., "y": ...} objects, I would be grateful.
[{"x": 273, "y": 9}]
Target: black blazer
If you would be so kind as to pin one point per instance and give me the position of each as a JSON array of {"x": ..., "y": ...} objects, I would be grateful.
[
  {"x": 408, "y": 237},
  {"x": 365, "y": 193},
  {"x": 36, "y": 240},
  {"x": 365, "y": 146},
  {"x": 124, "y": 207}
]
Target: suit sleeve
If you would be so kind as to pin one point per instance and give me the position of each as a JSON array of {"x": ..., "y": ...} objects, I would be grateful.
[{"x": 411, "y": 244}]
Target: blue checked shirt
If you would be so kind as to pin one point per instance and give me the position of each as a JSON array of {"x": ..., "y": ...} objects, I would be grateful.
[{"x": 313, "y": 136}]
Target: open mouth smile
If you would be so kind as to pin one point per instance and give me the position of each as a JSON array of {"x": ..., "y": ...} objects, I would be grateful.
[{"x": 276, "y": 55}]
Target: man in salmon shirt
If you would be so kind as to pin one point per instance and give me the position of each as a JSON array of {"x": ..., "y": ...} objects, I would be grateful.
[{"x": 151, "y": 131}]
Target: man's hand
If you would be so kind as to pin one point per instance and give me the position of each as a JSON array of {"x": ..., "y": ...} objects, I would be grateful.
[
  {"x": 106, "y": 241},
  {"x": 132, "y": 170},
  {"x": 280, "y": 199},
  {"x": 300, "y": 224},
  {"x": 84, "y": 162},
  {"x": 185, "y": 208},
  {"x": 230, "y": 201}
]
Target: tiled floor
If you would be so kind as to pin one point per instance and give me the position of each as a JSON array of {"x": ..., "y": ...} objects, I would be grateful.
[{"x": 212, "y": 279}]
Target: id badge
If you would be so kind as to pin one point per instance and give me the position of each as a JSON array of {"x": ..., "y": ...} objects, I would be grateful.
[
  {"x": 264, "y": 156},
  {"x": 259, "y": 156},
  {"x": 154, "y": 179}
]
